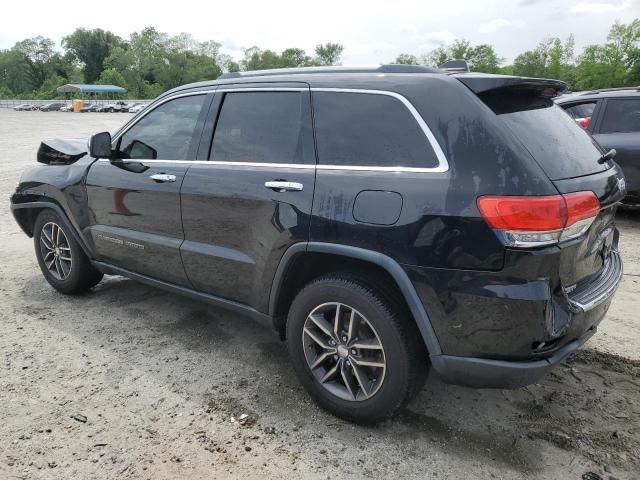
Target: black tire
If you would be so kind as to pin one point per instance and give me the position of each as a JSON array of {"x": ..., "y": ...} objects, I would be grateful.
[
  {"x": 404, "y": 353},
  {"x": 81, "y": 275}
]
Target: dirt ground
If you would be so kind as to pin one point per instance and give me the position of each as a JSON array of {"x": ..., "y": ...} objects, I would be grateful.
[{"x": 132, "y": 382}]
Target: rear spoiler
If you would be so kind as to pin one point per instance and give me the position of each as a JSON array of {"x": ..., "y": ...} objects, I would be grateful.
[{"x": 484, "y": 82}]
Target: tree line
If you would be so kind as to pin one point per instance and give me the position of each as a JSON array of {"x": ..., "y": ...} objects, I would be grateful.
[
  {"x": 616, "y": 63},
  {"x": 151, "y": 62}
]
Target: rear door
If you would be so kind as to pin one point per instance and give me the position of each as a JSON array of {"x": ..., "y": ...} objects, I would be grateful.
[
  {"x": 134, "y": 201},
  {"x": 250, "y": 197},
  {"x": 619, "y": 128}
]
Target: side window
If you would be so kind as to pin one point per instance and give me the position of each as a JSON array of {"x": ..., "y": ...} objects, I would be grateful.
[
  {"x": 621, "y": 115},
  {"x": 264, "y": 127},
  {"x": 359, "y": 129},
  {"x": 164, "y": 133},
  {"x": 582, "y": 113}
]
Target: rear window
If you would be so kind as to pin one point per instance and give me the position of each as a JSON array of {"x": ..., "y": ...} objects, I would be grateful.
[{"x": 552, "y": 137}]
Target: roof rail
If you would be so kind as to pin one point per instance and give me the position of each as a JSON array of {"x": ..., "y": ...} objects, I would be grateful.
[
  {"x": 616, "y": 89},
  {"x": 455, "y": 66},
  {"x": 391, "y": 68}
]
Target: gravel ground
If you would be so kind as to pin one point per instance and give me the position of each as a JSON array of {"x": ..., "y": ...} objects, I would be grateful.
[{"x": 132, "y": 382}]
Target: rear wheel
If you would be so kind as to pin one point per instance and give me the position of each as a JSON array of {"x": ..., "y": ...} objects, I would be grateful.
[
  {"x": 63, "y": 263},
  {"x": 352, "y": 351}
]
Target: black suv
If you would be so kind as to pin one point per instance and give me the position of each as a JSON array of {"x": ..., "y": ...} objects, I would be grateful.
[
  {"x": 612, "y": 116},
  {"x": 381, "y": 220}
]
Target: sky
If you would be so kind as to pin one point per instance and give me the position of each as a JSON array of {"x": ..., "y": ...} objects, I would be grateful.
[{"x": 371, "y": 31}]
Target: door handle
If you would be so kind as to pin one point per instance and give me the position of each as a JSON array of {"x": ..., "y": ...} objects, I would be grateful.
[
  {"x": 162, "y": 177},
  {"x": 283, "y": 186}
]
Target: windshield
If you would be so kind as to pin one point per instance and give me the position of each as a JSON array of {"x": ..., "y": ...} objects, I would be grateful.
[{"x": 559, "y": 145}]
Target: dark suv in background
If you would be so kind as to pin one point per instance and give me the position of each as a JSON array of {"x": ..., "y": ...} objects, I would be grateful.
[
  {"x": 381, "y": 220},
  {"x": 612, "y": 116}
]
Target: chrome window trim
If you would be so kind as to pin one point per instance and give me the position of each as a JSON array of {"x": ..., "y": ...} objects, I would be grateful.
[
  {"x": 264, "y": 89},
  {"x": 211, "y": 162},
  {"x": 443, "y": 164},
  {"x": 152, "y": 107}
]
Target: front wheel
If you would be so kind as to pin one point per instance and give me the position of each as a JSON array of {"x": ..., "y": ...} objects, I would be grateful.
[
  {"x": 62, "y": 261},
  {"x": 351, "y": 350}
]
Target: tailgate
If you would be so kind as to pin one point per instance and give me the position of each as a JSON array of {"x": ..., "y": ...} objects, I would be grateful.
[
  {"x": 582, "y": 259},
  {"x": 568, "y": 155}
]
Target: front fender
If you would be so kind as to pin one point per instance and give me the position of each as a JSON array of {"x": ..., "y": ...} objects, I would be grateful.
[{"x": 59, "y": 187}]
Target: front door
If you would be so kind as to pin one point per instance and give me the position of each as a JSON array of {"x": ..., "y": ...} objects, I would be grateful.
[
  {"x": 251, "y": 200},
  {"x": 134, "y": 201}
]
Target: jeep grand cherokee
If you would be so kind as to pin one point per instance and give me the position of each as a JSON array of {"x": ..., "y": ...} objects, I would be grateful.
[{"x": 382, "y": 220}]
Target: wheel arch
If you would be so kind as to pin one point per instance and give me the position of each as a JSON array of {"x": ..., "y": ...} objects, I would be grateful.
[
  {"x": 288, "y": 279},
  {"x": 26, "y": 214}
]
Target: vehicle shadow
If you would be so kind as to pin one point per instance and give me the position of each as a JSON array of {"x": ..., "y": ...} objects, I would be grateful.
[{"x": 232, "y": 364}]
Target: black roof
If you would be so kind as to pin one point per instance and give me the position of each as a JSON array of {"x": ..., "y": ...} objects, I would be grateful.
[
  {"x": 379, "y": 77},
  {"x": 603, "y": 93},
  {"x": 375, "y": 77}
]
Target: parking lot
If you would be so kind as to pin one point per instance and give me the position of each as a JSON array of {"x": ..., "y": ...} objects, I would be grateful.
[{"x": 132, "y": 382}]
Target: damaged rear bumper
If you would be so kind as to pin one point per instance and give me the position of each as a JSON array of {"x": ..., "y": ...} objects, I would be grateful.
[{"x": 487, "y": 373}]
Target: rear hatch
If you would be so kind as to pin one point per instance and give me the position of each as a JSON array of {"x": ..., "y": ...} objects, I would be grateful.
[{"x": 566, "y": 153}]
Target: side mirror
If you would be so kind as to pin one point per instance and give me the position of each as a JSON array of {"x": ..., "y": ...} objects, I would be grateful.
[
  {"x": 141, "y": 151},
  {"x": 100, "y": 145}
]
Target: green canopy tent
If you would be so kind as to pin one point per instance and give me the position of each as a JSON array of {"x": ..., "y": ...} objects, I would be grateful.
[{"x": 90, "y": 89}]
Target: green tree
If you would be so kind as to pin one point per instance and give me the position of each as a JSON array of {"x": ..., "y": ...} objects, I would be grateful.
[
  {"x": 91, "y": 48},
  {"x": 328, "y": 54},
  {"x": 111, "y": 76},
  {"x": 436, "y": 57},
  {"x": 613, "y": 64},
  {"x": 36, "y": 54},
  {"x": 294, "y": 57},
  {"x": 13, "y": 72},
  {"x": 5, "y": 92},
  {"x": 406, "y": 59},
  {"x": 48, "y": 90},
  {"x": 256, "y": 59},
  {"x": 552, "y": 58},
  {"x": 481, "y": 58}
]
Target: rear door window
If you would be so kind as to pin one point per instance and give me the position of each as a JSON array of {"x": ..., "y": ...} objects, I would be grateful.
[
  {"x": 264, "y": 127},
  {"x": 621, "y": 115},
  {"x": 361, "y": 129}
]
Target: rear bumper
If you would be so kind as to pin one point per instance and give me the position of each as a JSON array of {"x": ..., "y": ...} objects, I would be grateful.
[
  {"x": 487, "y": 373},
  {"x": 599, "y": 289}
]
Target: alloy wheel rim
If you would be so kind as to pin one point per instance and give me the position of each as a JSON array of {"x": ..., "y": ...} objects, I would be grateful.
[
  {"x": 56, "y": 251},
  {"x": 343, "y": 352}
]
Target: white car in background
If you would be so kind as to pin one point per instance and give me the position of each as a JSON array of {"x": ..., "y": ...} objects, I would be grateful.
[
  {"x": 137, "y": 108},
  {"x": 67, "y": 108}
]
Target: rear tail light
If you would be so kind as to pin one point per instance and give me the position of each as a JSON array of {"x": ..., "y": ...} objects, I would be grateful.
[{"x": 537, "y": 221}]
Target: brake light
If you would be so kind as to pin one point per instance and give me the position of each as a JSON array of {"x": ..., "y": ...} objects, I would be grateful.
[
  {"x": 539, "y": 220},
  {"x": 583, "y": 122}
]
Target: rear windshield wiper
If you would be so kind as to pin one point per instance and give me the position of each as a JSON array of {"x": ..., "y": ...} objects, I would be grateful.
[{"x": 607, "y": 156}]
